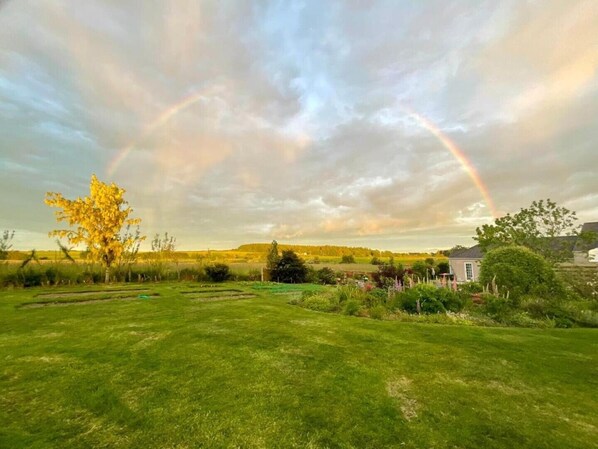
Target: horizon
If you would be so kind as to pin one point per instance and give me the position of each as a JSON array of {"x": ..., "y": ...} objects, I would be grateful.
[{"x": 394, "y": 126}]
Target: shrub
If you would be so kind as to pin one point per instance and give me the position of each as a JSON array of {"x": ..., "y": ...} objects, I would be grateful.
[
  {"x": 497, "y": 308},
  {"x": 218, "y": 272},
  {"x": 190, "y": 274},
  {"x": 321, "y": 302},
  {"x": 421, "y": 269},
  {"x": 443, "y": 268},
  {"x": 471, "y": 288},
  {"x": 452, "y": 301},
  {"x": 350, "y": 292},
  {"x": 431, "y": 299},
  {"x": 254, "y": 275},
  {"x": 31, "y": 277},
  {"x": 326, "y": 276},
  {"x": 520, "y": 271},
  {"x": 375, "y": 297},
  {"x": 312, "y": 276},
  {"x": 388, "y": 274},
  {"x": 377, "y": 312},
  {"x": 348, "y": 259},
  {"x": 352, "y": 307}
]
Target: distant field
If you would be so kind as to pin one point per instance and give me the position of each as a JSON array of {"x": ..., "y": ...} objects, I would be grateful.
[
  {"x": 233, "y": 365},
  {"x": 237, "y": 258}
]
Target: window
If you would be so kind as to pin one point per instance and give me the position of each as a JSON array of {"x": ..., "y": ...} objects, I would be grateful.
[{"x": 469, "y": 271}]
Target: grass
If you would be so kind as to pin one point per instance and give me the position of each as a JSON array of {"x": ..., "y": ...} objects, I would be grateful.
[{"x": 173, "y": 372}]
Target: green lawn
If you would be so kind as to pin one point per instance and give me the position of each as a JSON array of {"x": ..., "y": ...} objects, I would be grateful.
[{"x": 242, "y": 368}]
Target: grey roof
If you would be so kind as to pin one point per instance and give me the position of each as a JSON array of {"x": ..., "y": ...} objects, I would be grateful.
[
  {"x": 568, "y": 243},
  {"x": 475, "y": 252},
  {"x": 586, "y": 245}
]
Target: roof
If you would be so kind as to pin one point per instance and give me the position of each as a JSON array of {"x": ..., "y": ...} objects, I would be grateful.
[
  {"x": 590, "y": 228},
  {"x": 475, "y": 252},
  {"x": 561, "y": 243}
]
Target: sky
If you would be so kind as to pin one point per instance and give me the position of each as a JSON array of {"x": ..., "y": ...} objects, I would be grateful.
[{"x": 399, "y": 125}]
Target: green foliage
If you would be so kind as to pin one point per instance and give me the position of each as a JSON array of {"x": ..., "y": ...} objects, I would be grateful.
[
  {"x": 520, "y": 271},
  {"x": 348, "y": 258},
  {"x": 322, "y": 302},
  {"x": 471, "y": 288},
  {"x": 498, "y": 308},
  {"x": 535, "y": 228},
  {"x": 326, "y": 276},
  {"x": 377, "y": 312},
  {"x": 376, "y": 261},
  {"x": 273, "y": 257},
  {"x": 5, "y": 244},
  {"x": 582, "y": 281},
  {"x": 163, "y": 251},
  {"x": 352, "y": 307},
  {"x": 443, "y": 268},
  {"x": 421, "y": 269},
  {"x": 290, "y": 269},
  {"x": 388, "y": 274},
  {"x": 427, "y": 298},
  {"x": 218, "y": 272}
]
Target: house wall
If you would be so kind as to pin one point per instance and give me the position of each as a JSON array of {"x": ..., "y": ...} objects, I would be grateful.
[
  {"x": 458, "y": 268},
  {"x": 580, "y": 257}
]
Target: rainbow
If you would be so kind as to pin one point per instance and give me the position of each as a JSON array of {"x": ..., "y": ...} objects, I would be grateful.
[
  {"x": 451, "y": 146},
  {"x": 115, "y": 163},
  {"x": 459, "y": 155}
]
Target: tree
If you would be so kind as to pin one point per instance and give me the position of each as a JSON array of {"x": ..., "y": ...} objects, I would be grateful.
[
  {"x": 273, "y": 257},
  {"x": 535, "y": 228},
  {"x": 5, "y": 244},
  {"x": 348, "y": 259},
  {"x": 290, "y": 269},
  {"x": 163, "y": 250},
  {"x": 99, "y": 220}
]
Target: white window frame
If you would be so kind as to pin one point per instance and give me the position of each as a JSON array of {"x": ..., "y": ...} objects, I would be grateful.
[{"x": 467, "y": 278}]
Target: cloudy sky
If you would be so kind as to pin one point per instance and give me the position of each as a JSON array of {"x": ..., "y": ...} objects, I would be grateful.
[{"x": 396, "y": 125}]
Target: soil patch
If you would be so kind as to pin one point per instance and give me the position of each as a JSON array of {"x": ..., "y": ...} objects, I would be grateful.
[
  {"x": 223, "y": 297},
  {"x": 223, "y": 290},
  {"x": 37, "y": 305},
  {"x": 82, "y": 294}
]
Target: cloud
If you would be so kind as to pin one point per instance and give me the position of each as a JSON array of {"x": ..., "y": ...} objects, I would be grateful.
[{"x": 297, "y": 128}]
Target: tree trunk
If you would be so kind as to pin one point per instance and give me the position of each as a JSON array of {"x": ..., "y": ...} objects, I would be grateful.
[{"x": 107, "y": 275}]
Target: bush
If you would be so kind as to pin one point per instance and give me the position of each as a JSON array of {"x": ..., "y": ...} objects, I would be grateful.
[
  {"x": 322, "y": 302},
  {"x": 352, "y": 307},
  {"x": 520, "y": 271},
  {"x": 377, "y": 312},
  {"x": 431, "y": 300},
  {"x": 326, "y": 276},
  {"x": 191, "y": 274},
  {"x": 443, "y": 268},
  {"x": 421, "y": 269},
  {"x": 348, "y": 259},
  {"x": 218, "y": 272},
  {"x": 471, "y": 288},
  {"x": 497, "y": 308},
  {"x": 346, "y": 293},
  {"x": 375, "y": 297},
  {"x": 388, "y": 274}
]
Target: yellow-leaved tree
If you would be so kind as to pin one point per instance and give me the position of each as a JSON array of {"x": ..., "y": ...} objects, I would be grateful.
[{"x": 100, "y": 221}]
